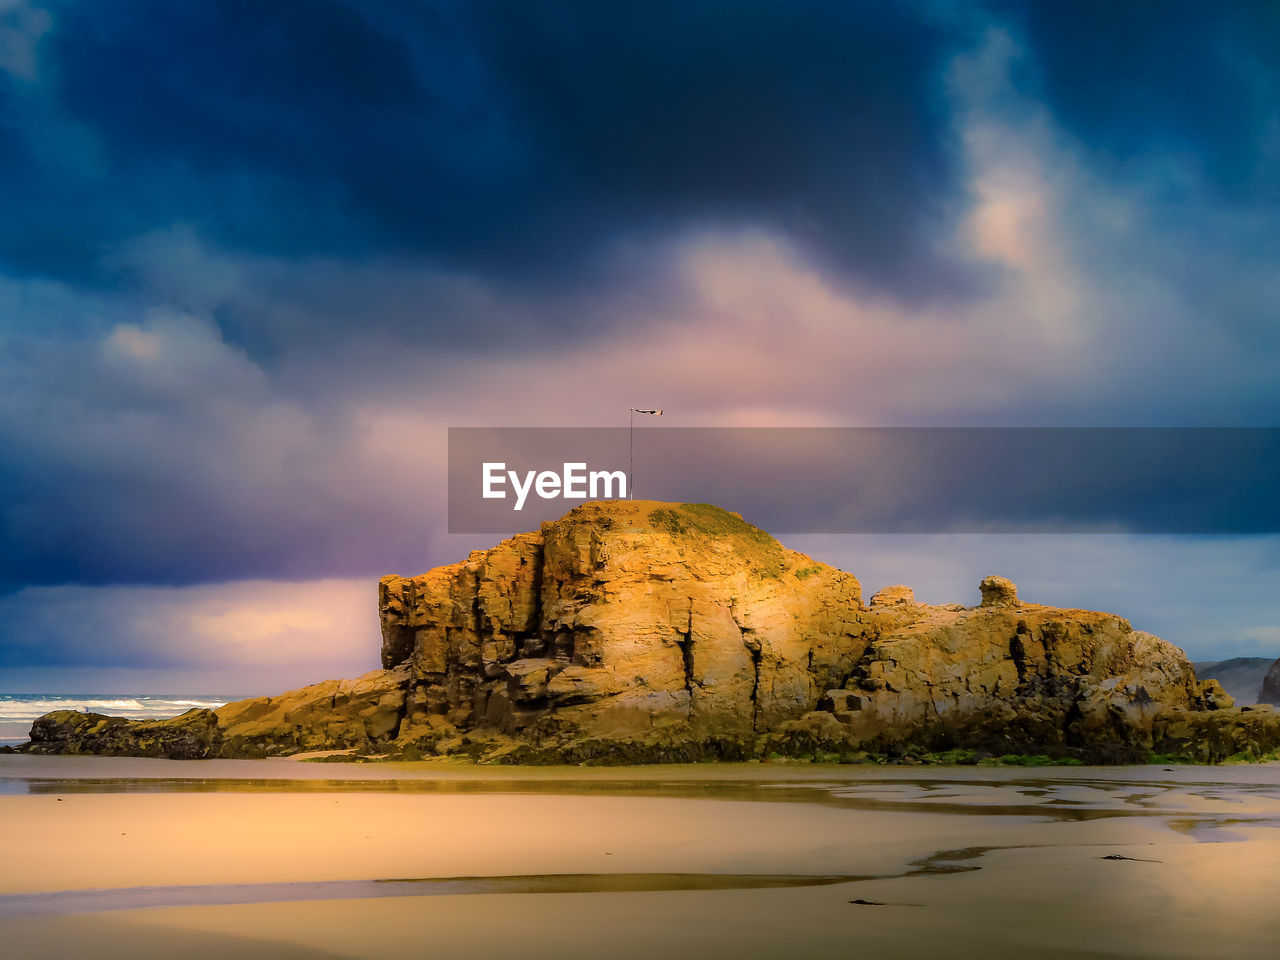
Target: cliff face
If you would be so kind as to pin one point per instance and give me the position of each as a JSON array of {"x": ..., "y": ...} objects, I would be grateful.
[
  {"x": 632, "y": 631},
  {"x": 620, "y": 619}
]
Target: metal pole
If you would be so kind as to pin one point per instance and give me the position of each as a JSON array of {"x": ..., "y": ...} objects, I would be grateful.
[{"x": 631, "y": 456}]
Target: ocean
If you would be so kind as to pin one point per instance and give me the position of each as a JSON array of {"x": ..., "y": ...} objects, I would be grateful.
[{"x": 17, "y": 710}]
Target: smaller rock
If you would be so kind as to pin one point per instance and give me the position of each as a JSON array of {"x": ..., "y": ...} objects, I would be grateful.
[
  {"x": 893, "y": 596},
  {"x": 998, "y": 592},
  {"x": 1211, "y": 736},
  {"x": 1214, "y": 697}
]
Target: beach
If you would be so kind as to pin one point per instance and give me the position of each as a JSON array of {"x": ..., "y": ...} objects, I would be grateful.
[{"x": 129, "y": 858}]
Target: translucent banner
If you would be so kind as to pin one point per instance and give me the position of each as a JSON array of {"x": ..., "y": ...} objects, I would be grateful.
[{"x": 880, "y": 480}]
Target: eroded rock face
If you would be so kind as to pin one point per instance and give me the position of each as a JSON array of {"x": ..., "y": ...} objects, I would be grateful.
[
  {"x": 622, "y": 619},
  {"x": 638, "y": 631}
]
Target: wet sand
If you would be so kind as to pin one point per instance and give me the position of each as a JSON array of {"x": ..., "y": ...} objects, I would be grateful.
[{"x": 136, "y": 858}]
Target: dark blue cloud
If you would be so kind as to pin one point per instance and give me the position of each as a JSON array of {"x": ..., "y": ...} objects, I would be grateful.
[
  {"x": 823, "y": 119},
  {"x": 513, "y": 139},
  {"x": 522, "y": 141},
  {"x": 243, "y": 120},
  {"x": 1188, "y": 80}
]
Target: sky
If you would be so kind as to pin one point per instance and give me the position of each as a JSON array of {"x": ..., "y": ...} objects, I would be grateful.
[{"x": 255, "y": 259}]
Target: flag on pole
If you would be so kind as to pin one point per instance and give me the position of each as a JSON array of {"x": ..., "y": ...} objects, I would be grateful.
[{"x": 656, "y": 413}]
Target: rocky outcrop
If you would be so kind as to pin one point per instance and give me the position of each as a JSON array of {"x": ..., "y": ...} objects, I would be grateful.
[
  {"x": 358, "y": 714},
  {"x": 998, "y": 592},
  {"x": 362, "y": 714},
  {"x": 640, "y": 631},
  {"x": 192, "y": 736},
  {"x": 635, "y": 629}
]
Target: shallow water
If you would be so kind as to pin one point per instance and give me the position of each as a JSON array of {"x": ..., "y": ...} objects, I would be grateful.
[
  {"x": 156, "y": 858},
  {"x": 1079, "y": 795}
]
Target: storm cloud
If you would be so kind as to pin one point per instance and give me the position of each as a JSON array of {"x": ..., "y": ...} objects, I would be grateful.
[
  {"x": 256, "y": 259},
  {"x": 512, "y": 140}
]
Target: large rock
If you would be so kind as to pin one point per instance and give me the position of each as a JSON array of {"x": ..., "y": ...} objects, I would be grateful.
[
  {"x": 629, "y": 628},
  {"x": 622, "y": 619},
  {"x": 638, "y": 631}
]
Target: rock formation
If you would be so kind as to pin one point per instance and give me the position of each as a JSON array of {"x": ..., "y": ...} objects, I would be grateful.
[
  {"x": 998, "y": 592},
  {"x": 192, "y": 736},
  {"x": 636, "y": 631}
]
